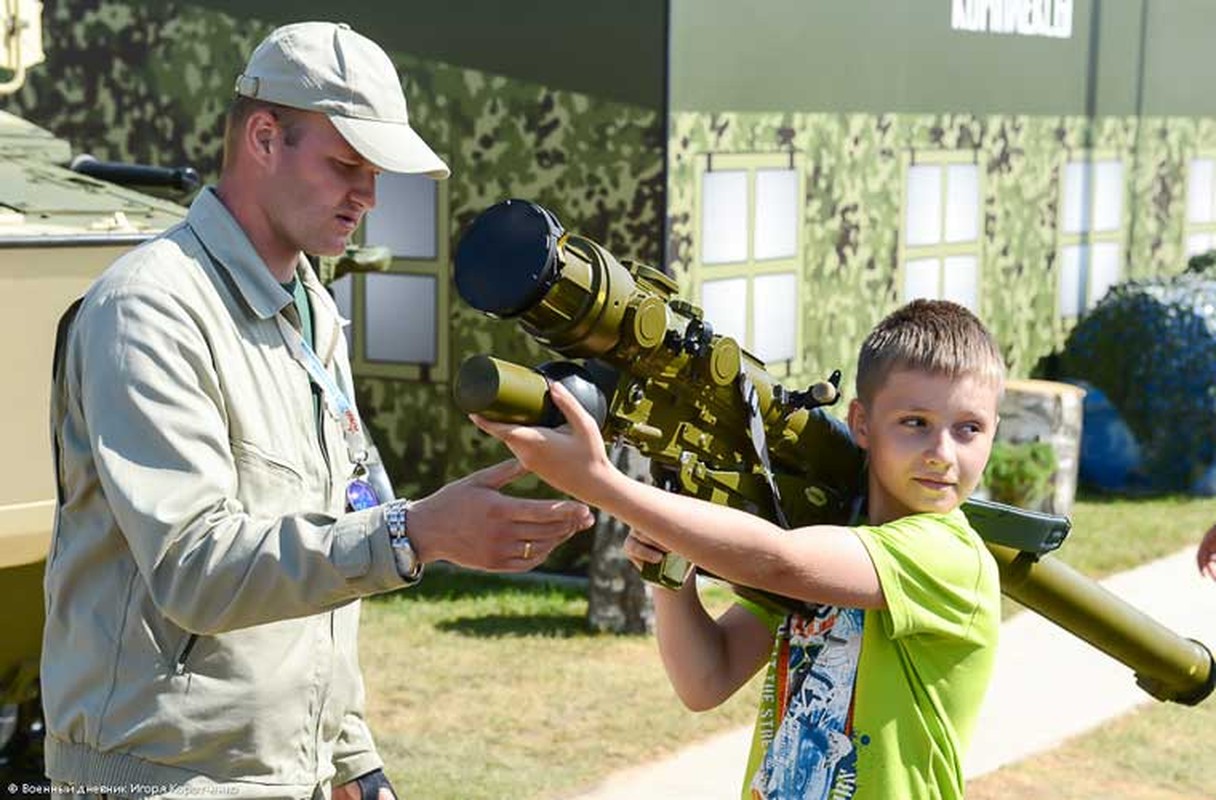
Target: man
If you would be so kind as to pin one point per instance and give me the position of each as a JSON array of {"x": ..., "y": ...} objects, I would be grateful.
[{"x": 216, "y": 522}]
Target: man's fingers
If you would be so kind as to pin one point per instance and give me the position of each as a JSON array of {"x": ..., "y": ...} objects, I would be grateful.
[
  {"x": 526, "y": 510},
  {"x": 500, "y": 474}
]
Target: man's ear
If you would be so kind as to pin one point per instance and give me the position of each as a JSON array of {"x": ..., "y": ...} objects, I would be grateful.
[
  {"x": 260, "y": 135},
  {"x": 859, "y": 424}
]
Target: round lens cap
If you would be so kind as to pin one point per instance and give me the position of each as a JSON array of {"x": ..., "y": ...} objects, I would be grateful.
[{"x": 507, "y": 259}]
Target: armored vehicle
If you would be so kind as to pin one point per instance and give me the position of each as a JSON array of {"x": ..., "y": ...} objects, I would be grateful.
[{"x": 58, "y": 229}]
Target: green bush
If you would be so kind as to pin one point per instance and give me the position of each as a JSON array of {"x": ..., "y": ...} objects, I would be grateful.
[
  {"x": 1019, "y": 474},
  {"x": 1202, "y": 264}
]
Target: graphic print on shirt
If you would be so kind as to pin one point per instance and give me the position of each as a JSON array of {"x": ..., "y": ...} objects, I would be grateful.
[{"x": 811, "y": 755}]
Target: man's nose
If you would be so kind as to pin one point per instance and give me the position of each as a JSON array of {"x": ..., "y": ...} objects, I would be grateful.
[{"x": 363, "y": 192}]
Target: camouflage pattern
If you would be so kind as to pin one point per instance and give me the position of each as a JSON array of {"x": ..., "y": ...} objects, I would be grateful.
[
  {"x": 145, "y": 82},
  {"x": 597, "y": 164},
  {"x": 150, "y": 82},
  {"x": 852, "y": 217}
]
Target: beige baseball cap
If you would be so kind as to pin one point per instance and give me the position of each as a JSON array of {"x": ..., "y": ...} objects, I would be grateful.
[{"x": 327, "y": 67}]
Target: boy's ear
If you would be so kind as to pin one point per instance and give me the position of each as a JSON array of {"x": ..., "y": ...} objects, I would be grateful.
[{"x": 859, "y": 424}]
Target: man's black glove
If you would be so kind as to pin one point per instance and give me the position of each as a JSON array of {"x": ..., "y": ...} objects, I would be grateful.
[{"x": 371, "y": 783}]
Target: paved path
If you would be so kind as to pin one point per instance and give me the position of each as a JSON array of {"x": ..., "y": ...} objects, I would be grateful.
[{"x": 1048, "y": 686}]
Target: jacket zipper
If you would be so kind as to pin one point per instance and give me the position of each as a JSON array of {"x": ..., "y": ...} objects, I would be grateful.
[{"x": 179, "y": 667}]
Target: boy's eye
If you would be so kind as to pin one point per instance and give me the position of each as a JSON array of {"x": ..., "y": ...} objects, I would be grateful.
[
  {"x": 913, "y": 422},
  {"x": 971, "y": 429}
]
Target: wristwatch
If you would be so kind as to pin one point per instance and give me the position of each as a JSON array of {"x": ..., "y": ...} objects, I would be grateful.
[{"x": 396, "y": 514}]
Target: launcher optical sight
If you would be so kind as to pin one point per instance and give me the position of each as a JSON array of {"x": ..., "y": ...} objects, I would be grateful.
[{"x": 716, "y": 425}]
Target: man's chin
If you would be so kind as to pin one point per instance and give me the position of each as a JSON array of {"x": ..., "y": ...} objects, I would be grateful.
[{"x": 327, "y": 249}]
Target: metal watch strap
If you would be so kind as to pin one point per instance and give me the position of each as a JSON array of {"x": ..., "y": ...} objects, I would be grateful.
[{"x": 396, "y": 514}]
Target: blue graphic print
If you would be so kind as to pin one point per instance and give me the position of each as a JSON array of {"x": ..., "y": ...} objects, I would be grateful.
[{"x": 811, "y": 756}]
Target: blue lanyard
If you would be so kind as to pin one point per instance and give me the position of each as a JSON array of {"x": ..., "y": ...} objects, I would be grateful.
[{"x": 336, "y": 402}]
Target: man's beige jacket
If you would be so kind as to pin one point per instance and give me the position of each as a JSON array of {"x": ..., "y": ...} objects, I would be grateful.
[{"x": 202, "y": 584}]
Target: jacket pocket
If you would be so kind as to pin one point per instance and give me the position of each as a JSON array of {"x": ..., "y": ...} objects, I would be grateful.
[{"x": 267, "y": 485}]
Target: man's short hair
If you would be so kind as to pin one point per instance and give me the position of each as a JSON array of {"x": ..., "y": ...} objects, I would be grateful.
[
  {"x": 934, "y": 336},
  {"x": 243, "y": 107}
]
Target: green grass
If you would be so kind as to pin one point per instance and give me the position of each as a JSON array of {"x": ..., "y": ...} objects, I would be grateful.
[
  {"x": 480, "y": 688},
  {"x": 1159, "y": 751},
  {"x": 1110, "y": 535}
]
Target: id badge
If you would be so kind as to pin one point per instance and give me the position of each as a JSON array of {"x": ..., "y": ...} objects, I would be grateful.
[{"x": 360, "y": 495}]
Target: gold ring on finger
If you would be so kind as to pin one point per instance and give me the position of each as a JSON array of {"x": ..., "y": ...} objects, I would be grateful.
[{"x": 527, "y": 549}]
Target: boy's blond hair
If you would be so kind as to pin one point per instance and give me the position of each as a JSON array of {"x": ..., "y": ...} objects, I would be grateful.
[{"x": 934, "y": 336}]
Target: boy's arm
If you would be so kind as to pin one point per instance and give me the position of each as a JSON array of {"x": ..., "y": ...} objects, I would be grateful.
[
  {"x": 706, "y": 660},
  {"x": 821, "y": 564}
]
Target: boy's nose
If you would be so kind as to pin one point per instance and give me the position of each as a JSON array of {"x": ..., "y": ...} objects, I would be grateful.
[{"x": 940, "y": 450}]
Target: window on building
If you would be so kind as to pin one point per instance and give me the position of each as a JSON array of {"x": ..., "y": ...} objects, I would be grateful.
[
  {"x": 1201, "y": 206},
  {"x": 940, "y": 246},
  {"x": 749, "y": 253},
  {"x": 1091, "y": 232},
  {"x": 399, "y": 317}
]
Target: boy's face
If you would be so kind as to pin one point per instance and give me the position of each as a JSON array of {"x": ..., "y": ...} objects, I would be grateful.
[{"x": 928, "y": 438}]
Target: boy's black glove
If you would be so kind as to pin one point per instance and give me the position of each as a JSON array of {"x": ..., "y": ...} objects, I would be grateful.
[{"x": 371, "y": 783}]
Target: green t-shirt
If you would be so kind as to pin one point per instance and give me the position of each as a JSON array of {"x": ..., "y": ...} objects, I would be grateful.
[
  {"x": 299, "y": 297},
  {"x": 870, "y": 705}
]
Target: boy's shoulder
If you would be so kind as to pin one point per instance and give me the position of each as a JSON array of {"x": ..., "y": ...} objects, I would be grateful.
[
  {"x": 952, "y": 523},
  {"x": 943, "y": 544}
]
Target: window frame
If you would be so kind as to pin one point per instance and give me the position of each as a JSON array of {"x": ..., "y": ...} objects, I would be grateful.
[
  {"x": 1088, "y": 238},
  {"x": 942, "y": 249},
  {"x": 436, "y": 268},
  {"x": 1207, "y": 228},
  {"x": 751, "y": 268}
]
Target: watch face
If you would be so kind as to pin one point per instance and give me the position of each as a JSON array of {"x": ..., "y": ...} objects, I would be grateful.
[{"x": 406, "y": 559}]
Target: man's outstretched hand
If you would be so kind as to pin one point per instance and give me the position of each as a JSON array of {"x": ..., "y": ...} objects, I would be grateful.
[{"x": 471, "y": 523}]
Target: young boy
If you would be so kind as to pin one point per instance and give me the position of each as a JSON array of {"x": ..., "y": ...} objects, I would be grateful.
[{"x": 875, "y": 692}]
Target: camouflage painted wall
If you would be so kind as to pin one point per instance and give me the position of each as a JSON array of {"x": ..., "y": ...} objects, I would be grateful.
[
  {"x": 151, "y": 81},
  {"x": 135, "y": 81},
  {"x": 597, "y": 165},
  {"x": 852, "y": 217}
]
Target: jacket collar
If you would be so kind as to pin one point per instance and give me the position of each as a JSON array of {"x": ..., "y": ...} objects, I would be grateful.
[{"x": 229, "y": 245}]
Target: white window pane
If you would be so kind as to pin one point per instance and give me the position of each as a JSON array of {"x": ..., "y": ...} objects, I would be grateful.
[
  {"x": 1199, "y": 190},
  {"x": 404, "y": 217},
  {"x": 724, "y": 217},
  {"x": 344, "y": 297},
  {"x": 1103, "y": 269},
  {"x": 1075, "y": 210},
  {"x": 725, "y": 305},
  {"x": 921, "y": 278},
  {"x": 1198, "y": 243},
  {"x": 1072, "y": 260},
  {"x": 1108, "y": 196},
  {"x": 400, "y": 324},
  {"x": 961, "y": 281},
  {"x": 774, "y": 310},
  {"x": 775, "y": 233},
  {"x": 923, "y": 207},
  {"x": 962, "y": 203}
]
